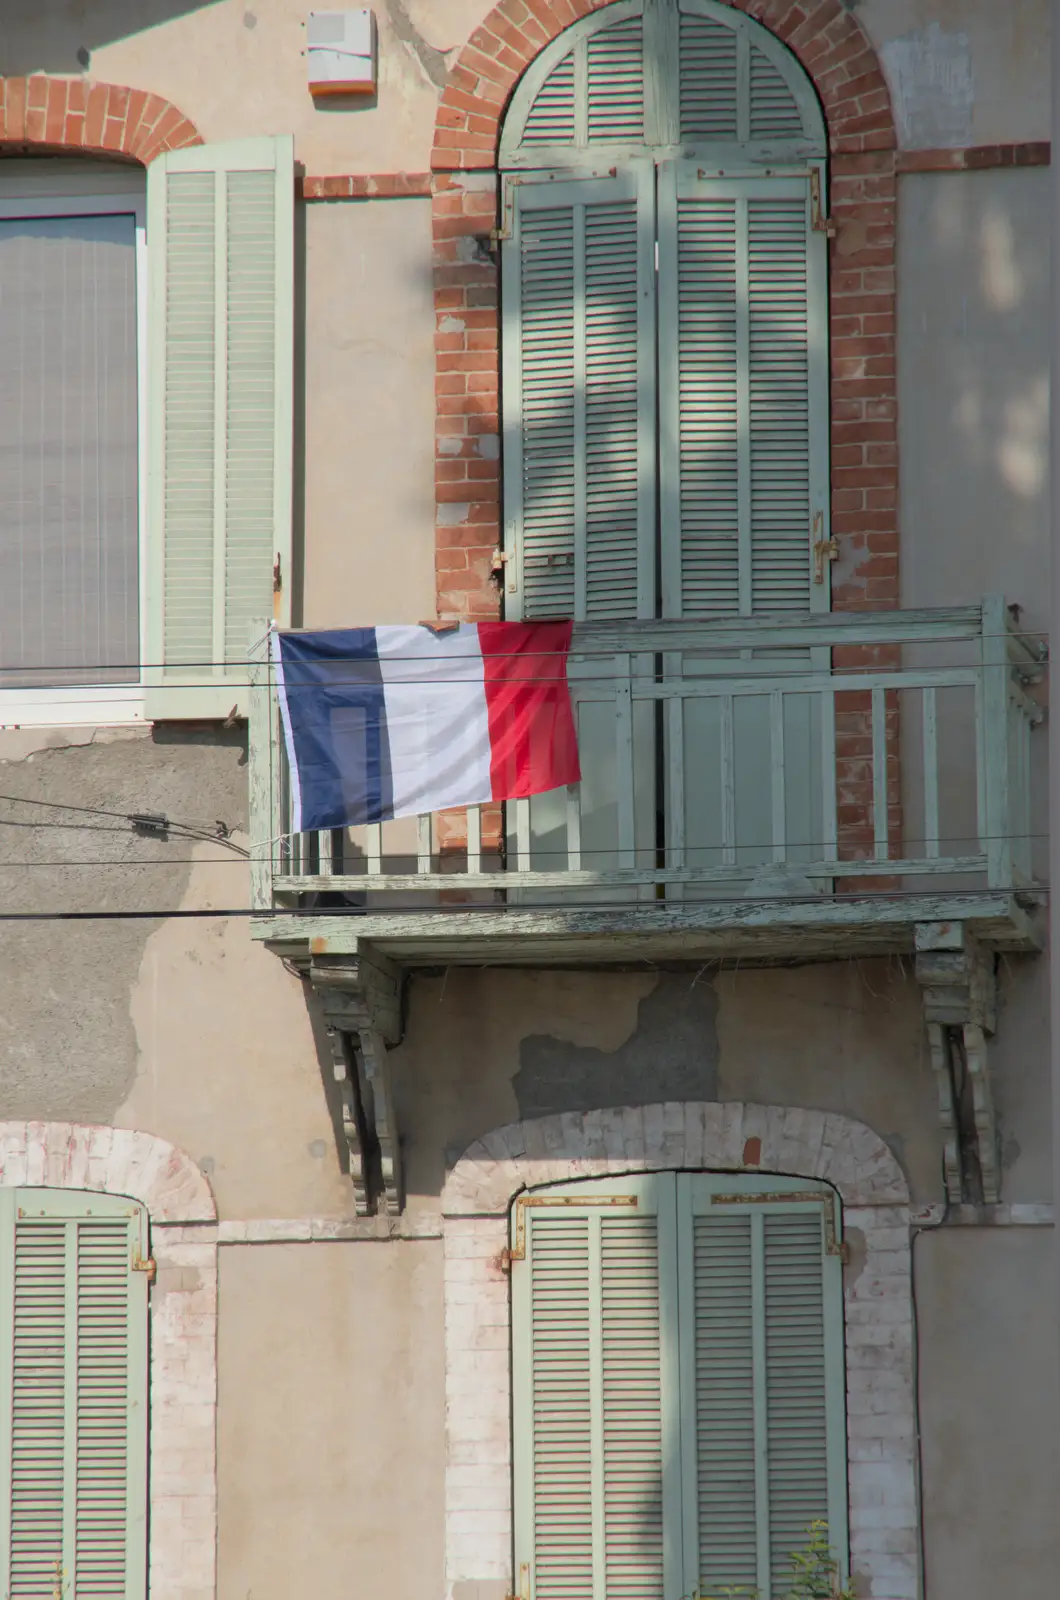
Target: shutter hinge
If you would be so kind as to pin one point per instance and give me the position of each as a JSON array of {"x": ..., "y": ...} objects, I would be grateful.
[
  {"x": 818, "y": 221},
  {"x": 524, "y": 1583},
  {"x": 823, "y": 549},
  {"x": 146, "y": 1264}
]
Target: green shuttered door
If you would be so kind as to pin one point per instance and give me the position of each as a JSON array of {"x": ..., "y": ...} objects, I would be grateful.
[
  {"x": 705, "y": 379},
  {"x": 743, "y": 394},
  {"x": 578, "y": 385},
  {"x": 678, "y": 1385},
  {"x": 220, "y": 239},
  {"x": 73, "y": 1412}
]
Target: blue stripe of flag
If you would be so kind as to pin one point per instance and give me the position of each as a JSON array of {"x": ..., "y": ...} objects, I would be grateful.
[{"x": 336, "y": 715}]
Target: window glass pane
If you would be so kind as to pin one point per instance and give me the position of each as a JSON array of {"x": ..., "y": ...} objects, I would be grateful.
[{"x": 68, "y": 451}]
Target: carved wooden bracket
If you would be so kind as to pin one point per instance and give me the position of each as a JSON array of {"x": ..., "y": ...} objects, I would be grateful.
[
  {"x": 361, "y": 1001},
  {"x": 957, "y": 977}
]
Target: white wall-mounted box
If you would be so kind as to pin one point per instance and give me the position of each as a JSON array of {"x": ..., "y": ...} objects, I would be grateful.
[{"x": 341, "y": 52}]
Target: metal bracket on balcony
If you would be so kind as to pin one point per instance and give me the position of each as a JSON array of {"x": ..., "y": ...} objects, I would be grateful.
[
  {"x": 957, "y": 978},
  {"x": 361, "y": 1001}
]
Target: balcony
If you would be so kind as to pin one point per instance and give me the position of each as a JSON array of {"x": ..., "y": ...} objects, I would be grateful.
[{"x": 805, "y": 788}]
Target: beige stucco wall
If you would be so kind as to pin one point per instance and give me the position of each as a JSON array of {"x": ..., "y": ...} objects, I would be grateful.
[
  {"x": 961, "y": 71},
  {"x": 367, "y": 455},
  {"x": 331, "y": 1421}
]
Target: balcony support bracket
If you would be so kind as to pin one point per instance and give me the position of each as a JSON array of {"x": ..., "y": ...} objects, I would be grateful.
[
  {"x": 956, "y": 975},
  {"x": 360, "y": 997}
]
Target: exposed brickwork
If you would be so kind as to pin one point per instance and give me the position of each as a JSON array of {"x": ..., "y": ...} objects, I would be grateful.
[
  {"x": 183, "y": 1377},
  {"x": 976, "y": 157},
  {"x": 718, "y": 1137},
  {"x": 97, "y": 118},
  {"x": 829, "y": 41},
  {"x": 366, "y": 186}
]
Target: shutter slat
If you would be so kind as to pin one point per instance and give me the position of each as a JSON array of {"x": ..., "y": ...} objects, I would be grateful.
[
  {"x": 579, "y": 377},
  {"x": 632, "y": 1408},
  {"x": 39, "y": 1416},
  {"x": 774, "y": 111},
  {"x": 707, "y": 79},
  {"x": 796, "y": 1382},
  {"x": 220, "y": 238},
  {"x": 724, "y": 1402},
  {"x": 562, "y": 1409},
  {"x": 615, "y": 82},
  {"x": 744, "y": 391},
  {"x": 101, "y": 1505},
  {"x": 551, "y": 117}
]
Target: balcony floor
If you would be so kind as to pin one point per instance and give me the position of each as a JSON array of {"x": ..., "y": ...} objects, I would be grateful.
[{"x": 773, "y": 932}]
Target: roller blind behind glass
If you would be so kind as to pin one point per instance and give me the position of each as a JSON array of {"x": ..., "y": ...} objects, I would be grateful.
[{"x": 69, "y": 577}]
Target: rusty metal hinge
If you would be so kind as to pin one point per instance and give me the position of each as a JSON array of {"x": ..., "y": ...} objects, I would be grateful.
[
  {"x": 818, "y": 221},
  {"x": 146, "y": 1264},
  {"x": 834, "y": 1243},
  {"x": 823, "y": 549},
  {"x": 524, "y": 1583},
  {"x": 518, "y": 1249}
]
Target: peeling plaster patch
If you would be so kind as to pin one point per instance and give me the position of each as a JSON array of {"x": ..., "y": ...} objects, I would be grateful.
[
  {"x": 432, "y": 62},
  {"x": 932, "y": 87},
  {"x": 453, "y": 514},
  {"x": 452, "y": 325},
  {"x": 489, "y": 446},
  {"x": 857, "y": 1256},
  {"x": 671, "y": 1055},
  {"x": 474, "y": 182},
  {"x": 450, "y": 445}
]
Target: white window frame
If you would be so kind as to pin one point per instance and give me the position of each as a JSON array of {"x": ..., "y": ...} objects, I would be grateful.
[{"x": 74, "y": 189}]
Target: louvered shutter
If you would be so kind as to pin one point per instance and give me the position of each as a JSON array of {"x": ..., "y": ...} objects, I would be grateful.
[
  {"x": 596, "y": 1447},
  {"x": 762, "y": 1364},
  {"x": 220, "y": 245},
  {"x": 579, "y": 398},
  {"x": 743, "y": 395},
  {"x": 73, "y": 1397}
]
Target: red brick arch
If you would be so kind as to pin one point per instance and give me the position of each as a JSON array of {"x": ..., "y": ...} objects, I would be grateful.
[
  {"x": 839, "y": 57},
  {"x": 842, "y": 62},
  {"x": 826, "y": 37},
  {"x": 64, "y": 114}
]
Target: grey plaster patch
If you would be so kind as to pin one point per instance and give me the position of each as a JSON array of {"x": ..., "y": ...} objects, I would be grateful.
[
  {"x": 857, "y": 1256},
  {"x": 432, "y": 62},
  {"x": 68, "y": 1049},
  {"x": 932, "y": 87},
  {"x": 453, "y": 513},
  {"x": 317, "y": 1149},
  {"x": 671, "y": 1055}
]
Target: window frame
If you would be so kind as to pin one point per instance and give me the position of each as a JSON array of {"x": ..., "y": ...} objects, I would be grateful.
[{"x": 75, "y": 189}]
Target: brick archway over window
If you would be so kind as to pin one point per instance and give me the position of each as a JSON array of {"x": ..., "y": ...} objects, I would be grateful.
[
  {"x": 67, "y": 114},
  {"x": 837, "y": 54}
]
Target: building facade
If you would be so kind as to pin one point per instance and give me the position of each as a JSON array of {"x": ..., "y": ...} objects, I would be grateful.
[{"x": 580, "y": 1197}]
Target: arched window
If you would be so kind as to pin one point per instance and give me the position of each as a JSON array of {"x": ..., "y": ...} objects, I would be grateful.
[
  {"x": 678, "y": 1387},
  {"x": 73, "y": 1394},
  {"x": 664, "y": 280}
]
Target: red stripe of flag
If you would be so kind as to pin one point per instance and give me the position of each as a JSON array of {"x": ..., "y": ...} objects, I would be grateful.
[{"x": 528, "y": 707}]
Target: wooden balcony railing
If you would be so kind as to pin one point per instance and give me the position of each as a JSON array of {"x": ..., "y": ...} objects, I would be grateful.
[{"x": 720, "y": 760}]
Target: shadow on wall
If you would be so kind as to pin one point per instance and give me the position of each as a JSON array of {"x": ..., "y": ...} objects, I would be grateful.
[{"x": 59, "y": 36}]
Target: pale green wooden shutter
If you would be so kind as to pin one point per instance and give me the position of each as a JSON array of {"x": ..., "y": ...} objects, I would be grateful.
[
  {"x": 743, "y": 395},
  {"x": 762, "y": 1368},
  {"x": 73, "y": 1397},
  {"x": 579, "y": 387},
  {"x": 595, "y": 1393},
  {"x": 220, "y": 248}
]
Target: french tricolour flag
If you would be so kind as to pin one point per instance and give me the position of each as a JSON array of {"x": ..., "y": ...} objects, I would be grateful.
[{"x": 397, "y": 721}]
